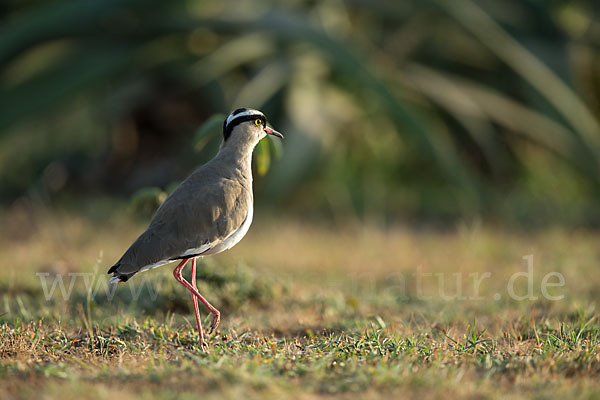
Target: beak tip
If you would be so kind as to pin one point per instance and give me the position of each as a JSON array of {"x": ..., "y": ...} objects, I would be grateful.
[{"x": 271, "y": 131}]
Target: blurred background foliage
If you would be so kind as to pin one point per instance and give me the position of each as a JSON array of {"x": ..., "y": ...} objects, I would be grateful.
[{"x": 415, "y": 110}]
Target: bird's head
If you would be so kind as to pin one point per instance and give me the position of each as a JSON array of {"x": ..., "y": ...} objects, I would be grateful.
[{"x": 247, "y": 125}]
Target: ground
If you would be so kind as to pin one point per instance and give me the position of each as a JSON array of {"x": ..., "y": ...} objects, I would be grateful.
[{"x": 360, "y": 310}]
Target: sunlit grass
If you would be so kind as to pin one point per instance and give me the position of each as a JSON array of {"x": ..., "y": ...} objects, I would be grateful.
[{"x": 308, "y": 310}]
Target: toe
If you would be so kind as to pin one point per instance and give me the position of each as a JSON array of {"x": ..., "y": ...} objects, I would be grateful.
[
  {"x": 215, "y": 322},
  {"x": 204, "y": 347}
]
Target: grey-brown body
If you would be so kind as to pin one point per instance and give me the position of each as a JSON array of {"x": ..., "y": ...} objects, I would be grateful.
[{"x": 207, "y": 208}]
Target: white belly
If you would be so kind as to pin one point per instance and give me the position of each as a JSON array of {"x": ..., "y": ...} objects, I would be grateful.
[{"x": 234, "y": 237}]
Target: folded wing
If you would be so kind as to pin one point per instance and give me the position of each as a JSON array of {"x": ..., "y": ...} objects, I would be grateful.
[{"x": 196, "y": 217}]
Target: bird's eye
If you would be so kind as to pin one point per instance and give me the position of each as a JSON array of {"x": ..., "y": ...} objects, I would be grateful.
[{"x": 257, "y": 122}]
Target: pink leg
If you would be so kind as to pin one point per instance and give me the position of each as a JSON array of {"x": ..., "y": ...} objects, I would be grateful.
[
  {"x": 195, "y": 301},
  {"x": 194, "y": 290}
]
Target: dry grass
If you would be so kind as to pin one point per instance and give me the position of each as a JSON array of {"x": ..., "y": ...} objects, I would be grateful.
[{"x": 307, "y": 311}]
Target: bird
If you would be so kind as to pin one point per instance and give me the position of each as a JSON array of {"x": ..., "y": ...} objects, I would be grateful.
[{"x": 208, "y": 213}]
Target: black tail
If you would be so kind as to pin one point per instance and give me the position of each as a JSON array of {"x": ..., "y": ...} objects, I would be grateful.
[
  {"x": 119, "y": 276},
  {"x": 113, "y": 268}
]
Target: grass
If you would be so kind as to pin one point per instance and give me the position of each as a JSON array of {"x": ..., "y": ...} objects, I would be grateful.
[{"x": 307, "y": 311}]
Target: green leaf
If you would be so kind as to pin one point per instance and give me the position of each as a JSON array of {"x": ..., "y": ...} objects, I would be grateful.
[
  {"x": 262, "y": 157},
  {"x": 207, "y": 130},
  {"x": 146, "y": 200}
]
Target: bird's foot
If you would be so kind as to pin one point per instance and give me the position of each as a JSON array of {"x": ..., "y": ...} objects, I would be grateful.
[
  {"x": 203, "y": 346},
  {"x": 214, "y": 323}
]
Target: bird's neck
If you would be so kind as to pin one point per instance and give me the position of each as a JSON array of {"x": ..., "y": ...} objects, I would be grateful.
[{"x": 239, "y": 156}]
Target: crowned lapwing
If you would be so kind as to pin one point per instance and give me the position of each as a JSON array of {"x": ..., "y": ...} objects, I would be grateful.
[{"x": 206, "y": 214}]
